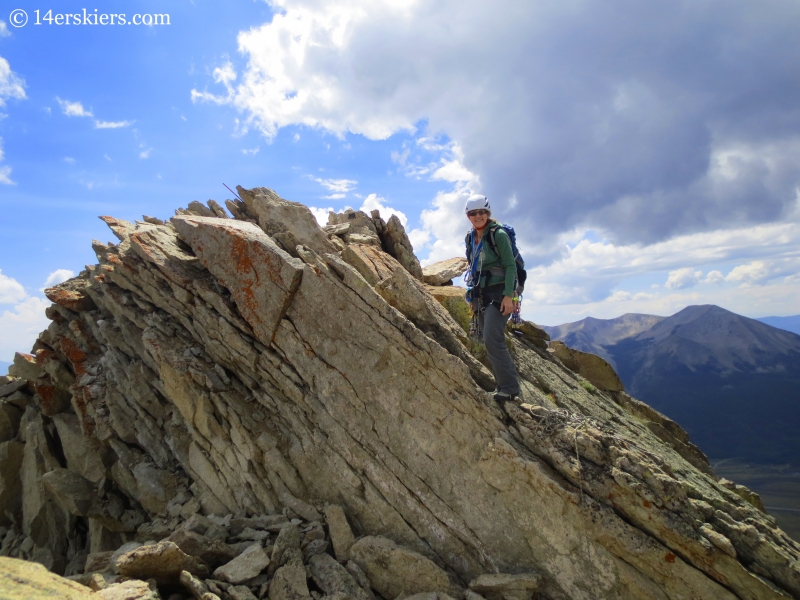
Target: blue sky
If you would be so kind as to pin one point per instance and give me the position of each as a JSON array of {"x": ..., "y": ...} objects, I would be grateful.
[{"x": 647, "y": 153}]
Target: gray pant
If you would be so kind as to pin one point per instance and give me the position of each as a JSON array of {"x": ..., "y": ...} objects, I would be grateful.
[{"x": 494, "y": 326}]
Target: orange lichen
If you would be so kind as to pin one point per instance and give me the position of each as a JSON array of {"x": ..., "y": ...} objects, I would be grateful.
[{"x": 75, "y": 355}]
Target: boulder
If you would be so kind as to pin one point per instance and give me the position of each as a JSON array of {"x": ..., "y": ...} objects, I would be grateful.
[
  {"x": 212, "y": 552},
  {"x": 394, "y": 570},
  {"x": 245, "y": 566},
  {"x": 163, "y": 562},
  {"x": 25, "y": 367},
  {"x": 590, "y": 366},
  {"x": 444, "y": 271},
  {"x": 355, "y": 227},
  {"x": 289, "y": 583},
  {"x": 289, "y": 223},
  {"x": 133, "y": 589},
  {"x": 332, "y": 578},
  {"x": 339, "y": 530}
]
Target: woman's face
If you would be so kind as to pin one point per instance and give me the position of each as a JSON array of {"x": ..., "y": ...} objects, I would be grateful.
[{"x": 478, "y": 218}]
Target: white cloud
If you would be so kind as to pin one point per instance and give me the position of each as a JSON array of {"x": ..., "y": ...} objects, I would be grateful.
[
  {"x": 375, "y": 202},
  {"x": 11, "y": 85},
  {"x": 443, "y": 226},
  {"x": 11, "y": 290},
  {"x": 715, "y": 277},
  {"x": 321, "y": 214},
  {"x": 337, "y": 185},
  {"x": 58, "y": 276},
  {"x": 224, "y": 75},
  {"x": 112, "y": 124},
  {"x": 250, "y": 151},
  {"x": 683, "y": 278},
  {"x": 145, "y": 153},
  {"x": 4, "y": 32},
  {"x": 5, "y": 176},
  {"x": 634, "y": 144},
  {"x": 69, "y": 160},
  {"x": 73, "y": 109},
  {"x": 760, "y": 272},
  {"x": 20, "y": 327}
]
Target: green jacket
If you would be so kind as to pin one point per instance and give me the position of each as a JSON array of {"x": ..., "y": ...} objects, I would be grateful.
[{"x": 491, "y": 261}]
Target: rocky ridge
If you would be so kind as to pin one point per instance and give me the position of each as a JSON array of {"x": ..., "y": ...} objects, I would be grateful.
[{"x": 260, "y": 407}]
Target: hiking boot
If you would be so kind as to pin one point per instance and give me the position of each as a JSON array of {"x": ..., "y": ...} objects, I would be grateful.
[{"x": 504, "y": 397}]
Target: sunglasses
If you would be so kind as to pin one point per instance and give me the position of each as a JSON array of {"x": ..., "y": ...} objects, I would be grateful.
[{"x": 477, "y": 213}]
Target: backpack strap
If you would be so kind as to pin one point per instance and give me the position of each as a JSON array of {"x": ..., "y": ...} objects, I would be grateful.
[{"x": 492, "y": 241}]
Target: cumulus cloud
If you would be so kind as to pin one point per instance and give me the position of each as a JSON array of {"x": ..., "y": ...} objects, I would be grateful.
[
  {"x": 683, "y": 278},
  {"x": 599, "y": 118},
  {"x": 321, "y": 214},
  {"x": 588, "y": 271},
  {"x": 760, "y": 272},
  {"x": 73, "y": 109},
  {"x": 11, "y": 290},
  {"x": 4, "y": 32},
  {"x": 339, "y": 187},
  {"x": 375, "y": 202},
  {"x": 21, "y": 326}
]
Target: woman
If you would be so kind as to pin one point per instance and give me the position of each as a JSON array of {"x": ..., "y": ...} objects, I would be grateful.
[{"x": 492, "y": 280}]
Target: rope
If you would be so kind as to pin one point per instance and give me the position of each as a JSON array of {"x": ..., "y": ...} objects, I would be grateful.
[{"x": 561, "y": 418}]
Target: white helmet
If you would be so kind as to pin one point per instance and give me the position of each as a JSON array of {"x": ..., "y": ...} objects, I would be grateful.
[{"x": 476, "y": 202}]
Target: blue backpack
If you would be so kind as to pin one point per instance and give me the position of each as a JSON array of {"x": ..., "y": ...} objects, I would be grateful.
[{"x": 522, "y": 275}]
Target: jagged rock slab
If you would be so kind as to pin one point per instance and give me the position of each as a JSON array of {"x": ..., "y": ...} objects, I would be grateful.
[
  {"x": 290, "y": 223},
  {"x": 444, "y": 271},
  {"x": 22, "y": 580},
  {"x": 245, "y": 566},
  {"x": 262, "y": 277}
]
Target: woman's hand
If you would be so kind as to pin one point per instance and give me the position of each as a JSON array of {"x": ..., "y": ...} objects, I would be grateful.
[{"x": 506, "y": 306}]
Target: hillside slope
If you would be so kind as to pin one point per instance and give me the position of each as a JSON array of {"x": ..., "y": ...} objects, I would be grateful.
[
  {"x": 731, "y": 381},
  {"x": 594, "y": 335},
  {"x": 786, "y": 323}
]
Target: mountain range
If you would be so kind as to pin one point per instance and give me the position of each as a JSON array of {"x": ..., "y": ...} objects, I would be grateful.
[
  {"x": 788, "y": 323},
  {"x": 732, "y": 382}
]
